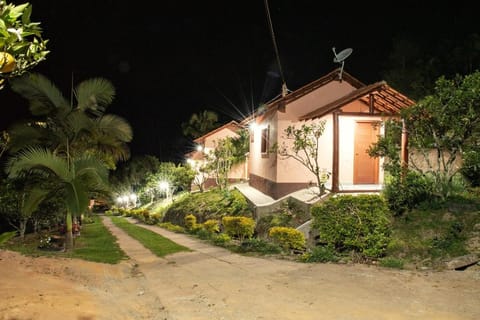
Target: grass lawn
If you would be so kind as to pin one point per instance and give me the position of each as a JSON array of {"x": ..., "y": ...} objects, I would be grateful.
[
  {"x": 159, "y": 245},
  {"x": 95, "y": 243}
]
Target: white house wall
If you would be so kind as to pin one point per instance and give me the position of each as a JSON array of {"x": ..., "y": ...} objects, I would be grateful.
[{"x": 292, "y": 171}]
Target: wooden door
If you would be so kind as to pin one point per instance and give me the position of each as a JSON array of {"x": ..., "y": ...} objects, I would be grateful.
[{"x": 365, "y": 168}]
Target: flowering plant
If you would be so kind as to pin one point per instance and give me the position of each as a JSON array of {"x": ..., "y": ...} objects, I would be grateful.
[{"x": 45, "y": 242}]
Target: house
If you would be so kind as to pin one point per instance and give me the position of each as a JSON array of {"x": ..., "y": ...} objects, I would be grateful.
[
  {"x": 205, "y": 145},
  {"x": 352, "y": 111}
]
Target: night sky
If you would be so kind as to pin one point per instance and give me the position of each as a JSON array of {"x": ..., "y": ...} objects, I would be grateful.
[{"x": 170, "y": 59}]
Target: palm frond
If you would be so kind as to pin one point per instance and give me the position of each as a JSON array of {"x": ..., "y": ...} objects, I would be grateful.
[
  {"x": 38, "y": 159},
  {"x": 116, "y": 127},
  {"x": 94, "y": 95},
  {"x": 44, "y": 97},
  {"x": 32, "y": 200},
  {"x": 23, "y": 135}
]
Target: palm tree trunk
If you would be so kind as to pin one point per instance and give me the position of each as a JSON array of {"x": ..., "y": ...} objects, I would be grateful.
[{"x": 68, "y": 232}]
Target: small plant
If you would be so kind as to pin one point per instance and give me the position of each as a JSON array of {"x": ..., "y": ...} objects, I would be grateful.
[
  {"x": 212, "y": 226},
  {"x": 172, "y": 227},
  {"x": 392, "y": 263},
  {"x": 259, "y": 245},
  {"x": 190, "y": 222},
  {"x": 320, "y": 254},
  {"x": 45, "y": 242},
  {"x": 287, "y": 238},
  {"x": 221, "y": 239},
  {"x": 241, "y": 227}
]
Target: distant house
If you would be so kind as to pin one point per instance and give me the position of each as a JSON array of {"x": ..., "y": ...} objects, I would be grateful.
[
  {"x": 353, "y": 113},
  {"x": 206, "y": 144}
]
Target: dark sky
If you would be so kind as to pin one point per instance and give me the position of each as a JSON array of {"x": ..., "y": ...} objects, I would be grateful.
[{"x": 170, "y": 59}]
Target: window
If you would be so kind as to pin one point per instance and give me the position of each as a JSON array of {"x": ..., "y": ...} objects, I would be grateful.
[{"x": 265, "y": 133}]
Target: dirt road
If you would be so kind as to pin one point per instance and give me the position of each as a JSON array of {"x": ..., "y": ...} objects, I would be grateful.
[{"x": 212, "y": 283}]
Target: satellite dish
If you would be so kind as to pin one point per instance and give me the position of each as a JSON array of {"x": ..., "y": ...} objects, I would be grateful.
[
  {"x": 340, "y": 58},
  {"x": 342, "y": 55}
]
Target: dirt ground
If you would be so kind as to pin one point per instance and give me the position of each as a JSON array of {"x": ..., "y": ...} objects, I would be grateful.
[{"x": 212, "y": 283}]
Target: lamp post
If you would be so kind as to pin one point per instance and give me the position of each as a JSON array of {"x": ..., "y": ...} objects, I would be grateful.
[{"x": 165, "y": 187}]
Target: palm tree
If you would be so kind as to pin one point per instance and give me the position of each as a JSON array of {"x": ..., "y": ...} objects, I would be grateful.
[
  {"x": 200, "y": 124},
  {"x": 74, "y": 178},
  {"x": 69, "y": 129}
]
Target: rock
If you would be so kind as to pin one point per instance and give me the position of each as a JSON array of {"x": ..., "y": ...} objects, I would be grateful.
[{"x": 462, "y": 261}]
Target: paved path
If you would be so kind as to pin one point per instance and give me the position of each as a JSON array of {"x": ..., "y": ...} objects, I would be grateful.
[{"x": 212, "y": 283}]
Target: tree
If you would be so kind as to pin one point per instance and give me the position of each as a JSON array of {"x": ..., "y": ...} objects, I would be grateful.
[
  {"x": 74, "y": 178},
  {"x": 304, "y": 147},
  {"x": 442, "y": 128},
  {"x": 69, "y": 129},
  {"x": 21, "y": 43},
  {"x": 200, "y": 123},
  {"x": 18, "y": 201}
]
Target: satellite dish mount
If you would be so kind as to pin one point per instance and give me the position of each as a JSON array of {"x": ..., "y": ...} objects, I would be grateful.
[{"x": 340, "y": 58}]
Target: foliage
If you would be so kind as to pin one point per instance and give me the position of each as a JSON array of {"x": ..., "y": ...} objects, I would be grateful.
[
  {"x": 190, "y": 222},
  {"x": 96, "y": 244},
  {"x": 75, "y": 179},
  {"x": 71, "y": 130},
  {"x": 221, "y": 239},
  {"x": 240, "y": 227},
  {"x": 429, "y": 235},
  {"x": 212, "y": 204},
  {"x": 361, "y": 223},
  {"x": 219, "y": 161},
  {"x": 258, "y": 245},
  {"x": 172, "y": 227},
  {"x": 6, "y": 236},
  {"x": 165, "y": 180},
  {"x": 290, "y": 214},
  {"x": 212, "y": 226},
  {"x": 392, "y": 263},
  {"x": 320, "y": 254},
  {"x": 287, "y": 238},
  {"x": 447, "y": 122},
  {"x": 471, "y": 165},
  {"x": 133, "y": 173},
  {"x": 407, "y": 193},
  {"x": 200, "y": 124},
  {"x": 21, "y": 38},
  {"x": 153, "y": 241},
  {"x": 304, "y": 147}
]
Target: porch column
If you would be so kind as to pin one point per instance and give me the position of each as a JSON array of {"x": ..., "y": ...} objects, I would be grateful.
[
  {"x": 336, "y": 143},
  {"x": 404, "y": 149}
]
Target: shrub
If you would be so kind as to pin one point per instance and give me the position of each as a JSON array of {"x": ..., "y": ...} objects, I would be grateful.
[
  {"x": 288, "y": 238},
  {"x": 360, "y": 223},
  {"x": 407, "y": 194},
  {"x": 211, "y": 204},
  {"x": 320, "y": 254},
  {"x": 392, "y": 263},
  {"x": 221, "y": 239},
  {"x": 190, "y": 222},
  {"x": 259, "y": 245},
  {"x": 241, "y": 227},
  {"x": 172, "y": 227},
  {"x": 212, "y": 226}
]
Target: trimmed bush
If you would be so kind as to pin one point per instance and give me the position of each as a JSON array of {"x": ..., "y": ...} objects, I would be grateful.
[
  {"x": 288, "y": 238},
  {"x": 361, "y": 223},
  {"x": 211, "y": 226},
  {"x": 190, "y": 222},
  {"x": 221, "y": 239},
  {"x": 172, "y": 227},
  {"x": 240, "y": 227}
]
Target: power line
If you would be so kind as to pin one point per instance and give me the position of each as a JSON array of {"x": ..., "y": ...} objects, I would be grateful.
[{"x": 284, "y": 84}]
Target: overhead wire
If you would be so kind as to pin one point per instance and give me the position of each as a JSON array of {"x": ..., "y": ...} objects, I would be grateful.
[{"x": 284, "y": 84}]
